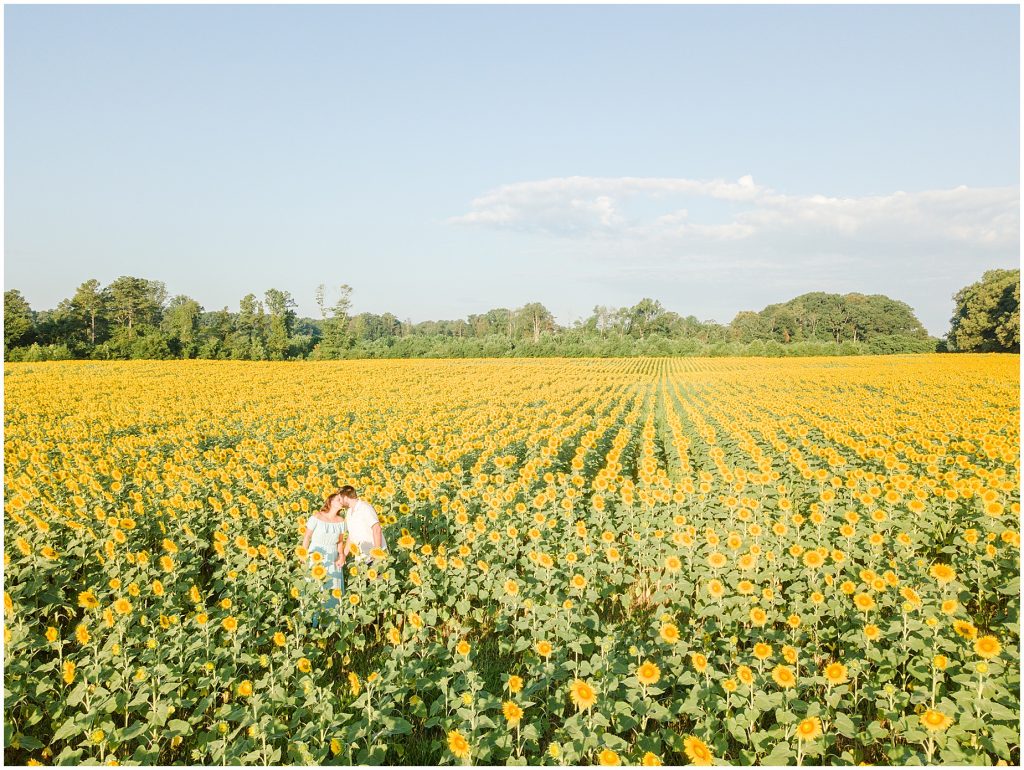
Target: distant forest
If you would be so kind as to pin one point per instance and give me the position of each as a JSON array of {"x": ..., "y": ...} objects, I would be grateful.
[{"x": 133, "y": 318}]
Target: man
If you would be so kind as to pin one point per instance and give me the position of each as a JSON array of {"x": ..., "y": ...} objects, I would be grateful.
[{"x": 363, "y": 525}]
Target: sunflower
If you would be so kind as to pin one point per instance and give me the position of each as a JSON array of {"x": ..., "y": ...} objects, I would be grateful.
[
  {"x": 245, "y": 688},
  {"x": 88, "y": 600},
  {"x": 835, "y": 674},
  {"x": 987, "y": 647},
  {"x": 935, "y": 721},
  {"x": 458, "y": 745},
  {"x": 543, "y": 648},
  {"x": 717, "y": 560},
  {"x": 784, "y": 676},
  {"x": 745, "y": 675},
  {"x": 942, "y": 573},
  {"x": 514, "y": 684},
  {"x": 808, "y": 729},
  {"x": 608, "y": 757},
  {"x": 669, "y": 633},
  {"x": 758, "y": 616},
  {"x": 762, "y": 651},
  {"x": 673, "y": 564},
  {"x": 910, "y": 595},
  {"x": 304, "y": 665},
  {"x": 230, "y": 624},
  {"x": 813, "y": 559},
  {"x": 872, "y": 632},
  {"x": 965, "y": 629},
  {"x": 68, "y": 671},
  {"x": 582, "y": 694},
  {"x": 122, "y": 606},
  {"x": 462, "y": 648},
  {"x": 513, "y": 713},
  {"x": 864, "y": 602},
  {"x": 648, "y": 673},
  {"x": 716, "y": 589},
  {"x": 697, "y": 751},
  {"x": 650, "y": 759},
  {"x": 700, "y": 662}
]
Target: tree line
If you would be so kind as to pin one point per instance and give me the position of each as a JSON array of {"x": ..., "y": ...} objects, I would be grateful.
[{"x": 134, "y": 318}]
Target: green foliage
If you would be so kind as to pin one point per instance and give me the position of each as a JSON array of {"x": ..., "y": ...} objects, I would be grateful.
[
  {"x": 818, "y": 316},
  {"x": 181, "y": 325},
  {"x": 282, "y": 318},
  {"x": 18, "y": 323},
  {"x": 90, "y": 304},
  {"x": 987, "y": 315},
  {"x": 131, "y": 318},
  {"x": 135, "y": 301},
  {"x": 37, "y": 352}
]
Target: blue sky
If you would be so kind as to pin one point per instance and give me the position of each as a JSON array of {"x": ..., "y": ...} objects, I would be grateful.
[{"x": 446, "y": 160}]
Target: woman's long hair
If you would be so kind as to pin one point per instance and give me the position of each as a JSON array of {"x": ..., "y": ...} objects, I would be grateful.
[{"x": 327, "y": 501}]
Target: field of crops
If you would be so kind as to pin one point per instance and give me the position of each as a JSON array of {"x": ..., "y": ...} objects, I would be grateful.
[{"x": 645, "y": 561}]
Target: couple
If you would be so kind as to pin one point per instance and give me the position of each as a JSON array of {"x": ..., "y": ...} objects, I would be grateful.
[{"x": 335, "y": 538}]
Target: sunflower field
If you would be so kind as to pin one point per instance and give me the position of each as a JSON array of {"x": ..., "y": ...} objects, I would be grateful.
[{"x": 614, "y": 561}]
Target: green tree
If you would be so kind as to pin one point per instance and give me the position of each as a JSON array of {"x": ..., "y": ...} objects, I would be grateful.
[
  {"x": 748, "y": 326},
  {"x": 873, "y": 315},
  {"x": 181, "y": 325},
  {"x": 18, "y": 320},
  {"x": 337, "y": 336},
  {"x": 280, "y": 306},
  {"x": 215, "y": 332},
  {"x": 90, "y": 304},
  {"x": 601, "y": 321},
  {"x": 135, "y": 301},
  {"x": 987, "y": 314},
  {"x": 643, "y": 316},
  {"x": 61, "y": 326},
  {"x": 534, "y": 318}
]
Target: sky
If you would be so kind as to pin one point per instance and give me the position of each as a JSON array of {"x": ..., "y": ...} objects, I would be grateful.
[{"x": 445, "y": 160}]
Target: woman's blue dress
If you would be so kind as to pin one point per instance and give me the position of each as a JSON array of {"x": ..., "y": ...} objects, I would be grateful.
[{"x": 324, "y": 541}]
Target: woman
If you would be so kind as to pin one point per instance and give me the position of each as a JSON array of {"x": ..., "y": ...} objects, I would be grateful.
[{"x": 325, "y": 535}]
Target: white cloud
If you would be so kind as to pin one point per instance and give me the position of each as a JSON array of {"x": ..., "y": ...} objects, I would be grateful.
[
  {"x": 714, "y": 247},
  {"x": 588, "y": 206},
  {"x": 755, "y": 216}
]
